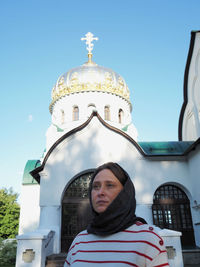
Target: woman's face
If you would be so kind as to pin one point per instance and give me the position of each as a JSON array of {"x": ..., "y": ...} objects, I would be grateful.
[{"x": 105, "y": 188}]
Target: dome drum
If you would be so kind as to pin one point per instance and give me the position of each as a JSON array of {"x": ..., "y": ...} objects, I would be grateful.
[{"x": 94, "y": 100}]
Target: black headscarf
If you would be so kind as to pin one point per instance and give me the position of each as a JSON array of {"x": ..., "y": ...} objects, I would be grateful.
[{"x": 120, "y": 214}]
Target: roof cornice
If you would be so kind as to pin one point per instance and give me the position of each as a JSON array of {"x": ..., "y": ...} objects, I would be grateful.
[{"x": 35, "y": 172}]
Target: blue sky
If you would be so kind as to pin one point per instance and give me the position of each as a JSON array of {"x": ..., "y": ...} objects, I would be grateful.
[{"x": 145, "y": 41}]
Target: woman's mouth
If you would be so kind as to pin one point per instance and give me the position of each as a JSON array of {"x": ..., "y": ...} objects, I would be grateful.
[{"x": 101, "y": 202}]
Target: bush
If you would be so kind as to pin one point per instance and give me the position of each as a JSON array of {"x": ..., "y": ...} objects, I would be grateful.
[{"x": 8, "y": 249}]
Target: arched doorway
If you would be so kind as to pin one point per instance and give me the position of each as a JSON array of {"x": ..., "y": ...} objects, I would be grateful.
[
  {"x": 171, "y": 210},
  {"x": 76, "y": 212}
]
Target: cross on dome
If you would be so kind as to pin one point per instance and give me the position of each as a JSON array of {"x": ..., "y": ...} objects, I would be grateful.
[{"x": 89, "y": 38}]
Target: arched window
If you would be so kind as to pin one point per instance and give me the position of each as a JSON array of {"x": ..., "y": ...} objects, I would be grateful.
[
  {"x": 75, "y": 115},
  {"x": 120, "y": 115},
  {"x": 76, "y": 211},
  {"x": 171, "y": 210},
  {"x": 62, "y": 116},
  {"x": 107, "y": 113}
]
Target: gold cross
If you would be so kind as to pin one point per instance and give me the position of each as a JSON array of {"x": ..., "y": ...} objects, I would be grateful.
[{"x": 89, "y": 39}]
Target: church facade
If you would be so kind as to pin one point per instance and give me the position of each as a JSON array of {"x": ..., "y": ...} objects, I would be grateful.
[{"x": 92, "y": 124}]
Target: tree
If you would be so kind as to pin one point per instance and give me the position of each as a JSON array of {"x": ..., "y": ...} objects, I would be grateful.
[{"x": 9, "y": 213}]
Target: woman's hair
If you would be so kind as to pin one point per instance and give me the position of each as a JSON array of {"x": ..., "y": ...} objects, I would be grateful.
[{"x": 118, "y": 171}]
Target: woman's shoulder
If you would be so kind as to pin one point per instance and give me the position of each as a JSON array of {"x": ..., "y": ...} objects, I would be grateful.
[
  {"x": 78, "y": 238},
  {"x": 147, "y": 231},
  {"x": 143, "y": 226},
  {"x": 84, "y": 232},
  {"x": 139, "y": 226},
  {"x": 81, "y": 234}
]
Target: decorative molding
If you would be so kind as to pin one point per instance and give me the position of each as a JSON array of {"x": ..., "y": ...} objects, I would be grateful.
[
  {"x": 28, "y": 255},
  {"x": 171, "y": 252},
  {"x": 74, "y": 85}
]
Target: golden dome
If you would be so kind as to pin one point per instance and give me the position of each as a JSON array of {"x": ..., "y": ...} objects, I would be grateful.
[{"x": 89, "y": 77}]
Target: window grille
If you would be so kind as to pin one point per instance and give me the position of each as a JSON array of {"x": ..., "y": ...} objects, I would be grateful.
[{"x": 171, "y": 210}]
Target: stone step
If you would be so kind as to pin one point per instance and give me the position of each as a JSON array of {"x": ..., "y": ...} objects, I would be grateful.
[
  {"x": 56, "y": 260},
  {"x": 191, "y": 257}
]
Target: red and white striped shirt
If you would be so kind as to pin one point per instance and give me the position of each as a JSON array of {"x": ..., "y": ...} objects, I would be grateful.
[{"x": 138, "y": 245}]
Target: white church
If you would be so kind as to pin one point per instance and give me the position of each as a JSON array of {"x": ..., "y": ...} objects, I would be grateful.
[{"x": 92, "y": 124}]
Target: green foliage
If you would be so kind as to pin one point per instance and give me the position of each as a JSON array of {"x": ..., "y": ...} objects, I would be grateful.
[
  {"x": 9, "y": 214},
  {"x": 7, "y": 252}
]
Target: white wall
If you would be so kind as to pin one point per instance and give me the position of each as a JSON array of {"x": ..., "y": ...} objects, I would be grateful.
[
  {"x": 191, "y": 120},
  {"x": 29, "y": 208},
  {"x": 194, "y": 169},
  {"x": 90, "y": 148}
]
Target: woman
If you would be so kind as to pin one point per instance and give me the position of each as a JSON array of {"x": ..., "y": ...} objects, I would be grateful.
[{"x": 115, "y": 237}]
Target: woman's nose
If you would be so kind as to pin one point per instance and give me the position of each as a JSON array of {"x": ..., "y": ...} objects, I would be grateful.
[{"x": 101, "y": 190}]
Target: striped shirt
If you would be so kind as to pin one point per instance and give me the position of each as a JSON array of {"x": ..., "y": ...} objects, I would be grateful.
[{"x": 138, "y": 245}]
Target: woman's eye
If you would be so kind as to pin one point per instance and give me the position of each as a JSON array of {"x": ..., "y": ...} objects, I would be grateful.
[
  {"x": 95, "y": 187},
  {"x": 110, "y": 185}
]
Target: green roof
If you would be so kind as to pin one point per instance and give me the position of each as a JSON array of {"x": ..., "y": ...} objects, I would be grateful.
[
  {"x": 27, "y": 177},
  {"x": 165, "y": 148}
]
